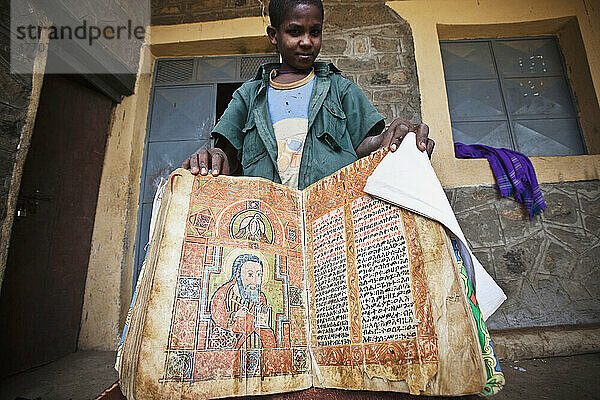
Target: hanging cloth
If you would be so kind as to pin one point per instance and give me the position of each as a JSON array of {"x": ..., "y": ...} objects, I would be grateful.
[{"x": 513, "y": 171}]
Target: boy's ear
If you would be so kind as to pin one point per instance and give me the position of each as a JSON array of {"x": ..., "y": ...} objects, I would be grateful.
[{"x": 272, "y": 32}]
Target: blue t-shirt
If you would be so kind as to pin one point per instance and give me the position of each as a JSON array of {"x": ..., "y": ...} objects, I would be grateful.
[{"x": 288, "y": 107}]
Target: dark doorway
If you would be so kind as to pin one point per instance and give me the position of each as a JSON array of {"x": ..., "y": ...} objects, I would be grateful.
[
  {"x": 224, "y": 96},
  {"x": 42, "y": 292}
]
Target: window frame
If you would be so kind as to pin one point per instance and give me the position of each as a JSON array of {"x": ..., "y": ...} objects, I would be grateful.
[{"x": 500, "y": 78}]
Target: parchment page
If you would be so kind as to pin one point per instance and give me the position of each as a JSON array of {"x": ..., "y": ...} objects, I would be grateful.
[
  {"x": 375, "y": 329},
  {"x": 227, "y": 311}
]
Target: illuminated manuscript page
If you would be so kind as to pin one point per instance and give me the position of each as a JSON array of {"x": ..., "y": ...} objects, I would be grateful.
[
  {"x": 230, "y": 303},
  {"x": 371, "y": 306},
  {"x": 227, "y": 309}
]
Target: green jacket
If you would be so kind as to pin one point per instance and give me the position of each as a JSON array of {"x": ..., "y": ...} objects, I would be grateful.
[{"x": 339, "y": 117}]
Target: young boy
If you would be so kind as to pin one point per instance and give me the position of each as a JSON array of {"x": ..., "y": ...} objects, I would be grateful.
[{"x": 300, "y": 120}]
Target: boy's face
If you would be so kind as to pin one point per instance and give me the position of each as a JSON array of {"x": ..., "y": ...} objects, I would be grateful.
[{"x": 298, "y": 39}]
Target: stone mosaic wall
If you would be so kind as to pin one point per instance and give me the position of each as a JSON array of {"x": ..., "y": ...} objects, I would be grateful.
[
  {"x": 168, "y": 12},
  {"x": 549, "y": 267},
  {"x": 373, "y": 46},
  {"x": 15, "y": 92}
]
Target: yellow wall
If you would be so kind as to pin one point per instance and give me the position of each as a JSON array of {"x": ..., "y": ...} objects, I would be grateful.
[
  {"x": 108, "y": 287},
  {"x": 215, "y": 38},
  {"x": 468, "y": 19}
]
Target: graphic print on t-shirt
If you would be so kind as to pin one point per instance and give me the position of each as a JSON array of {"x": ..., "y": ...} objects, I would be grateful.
[{"x": 288, "y": 107}]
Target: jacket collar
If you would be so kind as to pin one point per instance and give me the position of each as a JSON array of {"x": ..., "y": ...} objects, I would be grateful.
[{"x": 321, "y": 69}]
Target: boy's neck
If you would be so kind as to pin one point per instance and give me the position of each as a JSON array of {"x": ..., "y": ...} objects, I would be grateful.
[{"x": 287, "y": 74}]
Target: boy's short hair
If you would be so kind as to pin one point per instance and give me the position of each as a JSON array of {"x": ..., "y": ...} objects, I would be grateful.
[{"x": 279, "y": 10}]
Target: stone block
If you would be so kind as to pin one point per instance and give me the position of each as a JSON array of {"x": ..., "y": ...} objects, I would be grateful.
[
  {"x": 576, "y": 238},
  {"x": 390, "y": 96},
  {"x": 373, "y": 79},
  {"x": 587, "y": 266},
  {"x": 590, "y": 206},
  {"x": 485, "y": 258},
  {"x": 497, "y": 320},
  {"x": 398, "y": 78},
  {"x": 515, "y": 220},
  {"x": 386, "y": 110},
  {"x": 385, "y": 45},
  {"x": 166, "y": 12},
  {"x": 521, "y": 311},
  {"x": 592, "y": 224},
  {"x": 474, "y": 196},
  {"x": 410, "y": 109},
  {"x": 590, "y": 189},
  {"x": 529, "y": 310},
  {"x": 388, "y": 62},
  {"x": 353, "y": 64},
  {"x": 576, "y": 290},
  {"x": 557, "y": 260},
  {"x": 518, "y": 259},
  {"x": 334, "y": 46},
  {"x": 560, "y": 209},
  {"x": 348, "y": 16},
  {"x": 401, "y": 30},
  {"x": 481, "y": 227},
  {"x": 360, "y": 46},
  {"x": 586, "y": 311},
  {"x": 552, "y": 298},
  {"x": 512, "y": 290}
]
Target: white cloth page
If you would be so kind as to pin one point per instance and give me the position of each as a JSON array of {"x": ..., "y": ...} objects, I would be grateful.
[{"x": 407, "y": 179}]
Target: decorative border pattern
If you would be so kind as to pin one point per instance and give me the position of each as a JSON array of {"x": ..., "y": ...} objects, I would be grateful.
[{"x": 495, "y": 378}]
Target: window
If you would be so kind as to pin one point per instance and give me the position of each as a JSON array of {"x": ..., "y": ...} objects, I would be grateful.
[{"x": 511, "y": 93}]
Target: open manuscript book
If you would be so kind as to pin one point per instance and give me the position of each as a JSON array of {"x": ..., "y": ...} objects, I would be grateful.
[{"x": 250, "y": 287}]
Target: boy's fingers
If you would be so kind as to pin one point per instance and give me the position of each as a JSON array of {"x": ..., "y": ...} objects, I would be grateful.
[
  {"x": 186, "y": 164},
  {"x": 225, "y": 167},
  {"x": 399, "y": 133},
  {"x": 193, "y": 164},
  {"x": 216, "y": 162},
  {"x": 422, "y": 133},
  {"x": 203, "y": 161},
  {"x": 430, "y": 146},
  {"x": 406, "y": 122}
]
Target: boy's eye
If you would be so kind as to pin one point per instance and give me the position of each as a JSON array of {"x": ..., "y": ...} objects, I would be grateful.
[{"x": 316, "y": 32}]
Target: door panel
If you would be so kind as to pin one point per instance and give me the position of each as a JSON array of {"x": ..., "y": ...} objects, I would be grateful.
[
  {"x": 42, "y": 293},
  {"x": 180, "y": 123}
]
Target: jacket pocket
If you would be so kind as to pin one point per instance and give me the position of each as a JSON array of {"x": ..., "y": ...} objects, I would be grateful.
[
  {"x": 253, "y": 149},
  {"x": 334, "y": 124}
]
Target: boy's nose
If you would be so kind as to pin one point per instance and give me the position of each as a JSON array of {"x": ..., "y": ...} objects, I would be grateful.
[{"x": 305, "y": 41}]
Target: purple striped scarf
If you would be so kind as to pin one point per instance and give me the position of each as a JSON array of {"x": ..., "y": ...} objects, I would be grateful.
[{"x": 513, "y": 171}]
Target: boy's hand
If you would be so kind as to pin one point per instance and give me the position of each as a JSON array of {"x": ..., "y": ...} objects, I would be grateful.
[
  {"x": 400, "y": 127},
  {"x": 213, "y": 161},
  {"x": 393, "y": 136}
]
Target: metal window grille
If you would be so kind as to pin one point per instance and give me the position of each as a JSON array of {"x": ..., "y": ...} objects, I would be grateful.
[
  {"x": 511, "y": 93},
  {"x": 249, "y": 65},
  {"x": 174, "y": 71}
]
